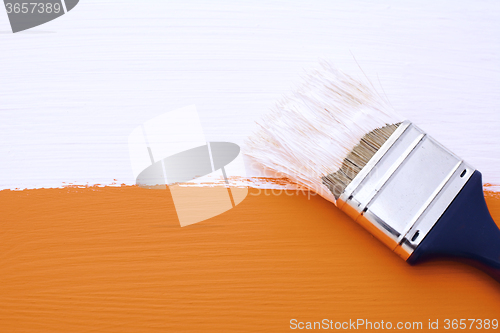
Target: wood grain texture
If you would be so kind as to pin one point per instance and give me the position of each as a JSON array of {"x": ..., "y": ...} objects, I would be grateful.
[
  {"x": 114, "y": 259},
  {"x": 72, "y": 90}
]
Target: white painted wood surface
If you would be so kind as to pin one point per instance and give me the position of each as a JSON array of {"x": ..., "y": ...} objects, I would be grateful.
[{"x": 72, "y": 90}]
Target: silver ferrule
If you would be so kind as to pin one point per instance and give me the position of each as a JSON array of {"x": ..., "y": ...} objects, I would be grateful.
[{"x": 405, "y": 188}]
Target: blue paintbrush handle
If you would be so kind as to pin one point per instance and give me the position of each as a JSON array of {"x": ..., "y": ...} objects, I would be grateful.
[{"x": 465, "y": 231}]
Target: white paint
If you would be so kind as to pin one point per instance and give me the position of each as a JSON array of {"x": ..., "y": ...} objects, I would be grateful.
[
  {"x": 174, "y": 132},
  {"x": 72, "y": 90},
  {"x": 312, "y": 130}
]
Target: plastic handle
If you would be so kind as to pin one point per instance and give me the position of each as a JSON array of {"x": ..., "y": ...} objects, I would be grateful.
[{"x": 465, "y": 231}]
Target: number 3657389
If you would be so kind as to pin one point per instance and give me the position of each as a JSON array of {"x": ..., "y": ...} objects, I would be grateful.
[{"x": 32, "y": 8}]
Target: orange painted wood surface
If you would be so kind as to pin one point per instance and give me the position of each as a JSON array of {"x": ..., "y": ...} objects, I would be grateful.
[{"x": 115, "y": 259}]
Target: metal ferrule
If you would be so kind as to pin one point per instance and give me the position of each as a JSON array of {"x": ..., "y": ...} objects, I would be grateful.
[{"x": 405, "y": 188}]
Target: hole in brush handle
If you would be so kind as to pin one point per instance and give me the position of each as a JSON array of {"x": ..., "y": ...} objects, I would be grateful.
[{"x": 465, "y": 231}]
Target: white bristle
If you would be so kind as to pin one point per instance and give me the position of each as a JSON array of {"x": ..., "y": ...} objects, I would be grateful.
[{"x": 308, "y": 133}]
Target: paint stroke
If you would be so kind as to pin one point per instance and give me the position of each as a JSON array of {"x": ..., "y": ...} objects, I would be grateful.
[{"x": 114, "y": 259}]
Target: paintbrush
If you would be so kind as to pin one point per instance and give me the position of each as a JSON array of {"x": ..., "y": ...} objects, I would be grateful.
[{"x": 339, "y": 137}]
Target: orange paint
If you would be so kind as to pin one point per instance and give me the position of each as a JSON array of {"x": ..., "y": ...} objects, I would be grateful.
[{"x": 115, "y": 259}]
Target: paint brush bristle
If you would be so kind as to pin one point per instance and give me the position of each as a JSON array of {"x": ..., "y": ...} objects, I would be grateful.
[
  {"x": 322, "y": 134},
  {"x": 338, "y": 137},
  {"x": 357, "y": 158}
]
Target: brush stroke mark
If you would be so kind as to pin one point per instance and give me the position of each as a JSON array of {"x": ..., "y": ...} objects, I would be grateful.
[{"x": 113, "y": 259}]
